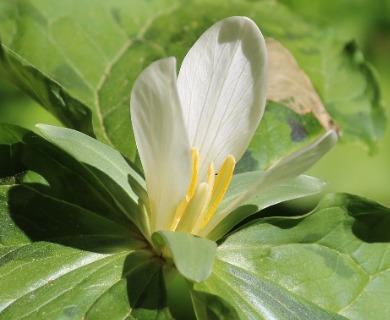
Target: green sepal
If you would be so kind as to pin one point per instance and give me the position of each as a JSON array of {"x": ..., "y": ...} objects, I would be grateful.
[
  {"x": 298, "y": 187},
  {"x": 192, "y": 256}
]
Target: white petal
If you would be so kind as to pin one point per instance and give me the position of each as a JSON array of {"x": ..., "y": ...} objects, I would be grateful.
[
  {"x": 287, "y": 168},
  {"x": 222, "y": 86},
  {"x": 161, "y": 139}
]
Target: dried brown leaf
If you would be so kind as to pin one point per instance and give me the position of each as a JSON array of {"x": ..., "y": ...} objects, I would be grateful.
[{"x": 288, "y": 84}]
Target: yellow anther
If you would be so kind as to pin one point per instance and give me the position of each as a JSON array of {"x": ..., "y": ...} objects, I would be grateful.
[
  {"x": 191, "y": 190},
  {"x": 220, "y": 186}
]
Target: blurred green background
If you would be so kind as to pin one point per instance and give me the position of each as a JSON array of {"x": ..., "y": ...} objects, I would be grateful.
[{"x": 347, "y": 168}]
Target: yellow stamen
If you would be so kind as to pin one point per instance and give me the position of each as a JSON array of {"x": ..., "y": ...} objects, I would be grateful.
[
  {"x": 211, "y": 174},
  {"x": 194, "y": 208},
  {"x": 202, "y": 200},
  {"x": 220, "y": 186},
  {"x": 210, "y": 183},
  {"x": 191, "y": 190}
]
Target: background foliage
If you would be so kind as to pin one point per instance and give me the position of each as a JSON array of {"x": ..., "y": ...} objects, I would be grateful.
[{"x": 369, "y": 24}]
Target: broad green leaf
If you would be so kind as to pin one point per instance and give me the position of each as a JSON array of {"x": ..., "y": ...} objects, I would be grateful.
[
  {"x": 70, "y": 111},
  {"x": 59, "y": 261},
  {"x": 66, "y": 179},
  {"x": 256, "y": 298},
  {"x": 18, "y": 108},
  {"x": 84, "y": 171},
  {"x": 332, "y": 263},
  {"x": 90, "y": 49},
  {"x": 208, "y": 306},
  {"x": 108, "y": 166},
  {"x": 94, "y": 50},
  {"x": 192, "y": 256}
]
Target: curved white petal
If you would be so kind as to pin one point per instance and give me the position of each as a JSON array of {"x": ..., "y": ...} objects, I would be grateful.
[
  {"x": 161, "y": 139},
  {"x": 222, "y": 87},
  {"x": 287, "y": 168}
]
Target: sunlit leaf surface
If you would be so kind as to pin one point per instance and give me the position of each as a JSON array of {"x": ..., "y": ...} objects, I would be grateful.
[
  {"x": 66, "y": 248},
  {"x": 332, "y": 263}
]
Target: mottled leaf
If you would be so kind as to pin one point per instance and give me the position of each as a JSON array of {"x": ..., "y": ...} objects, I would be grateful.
[{"x": 331, "y": 264}]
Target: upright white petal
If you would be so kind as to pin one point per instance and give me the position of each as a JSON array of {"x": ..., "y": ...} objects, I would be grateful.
[
  {"x": 161, "y": 139},
  {"x": 222, "y": 86},
  {"x": 287, "y": 168}
]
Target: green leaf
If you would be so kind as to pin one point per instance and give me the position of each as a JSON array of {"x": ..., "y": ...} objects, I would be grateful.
[
  {"x": 124, "y": 184},
  {"x": 66, "y": 179},
  {"x": 193, "y": 256},
  {"x": 94, "y": 50},
  {"x": 332, "y": 262},
  {"x": 256, "y": 298},
  {"x": 80, "y": 170},
  {"x": 208, "y": 306},
  {"x": 10, "y": 151},
  {"x": 70, "y": 111},
  {"x": 58, "y": 260}
]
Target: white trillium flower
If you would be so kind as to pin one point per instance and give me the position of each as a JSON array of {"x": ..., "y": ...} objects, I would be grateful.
[{"x": 191, "y": 129}]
